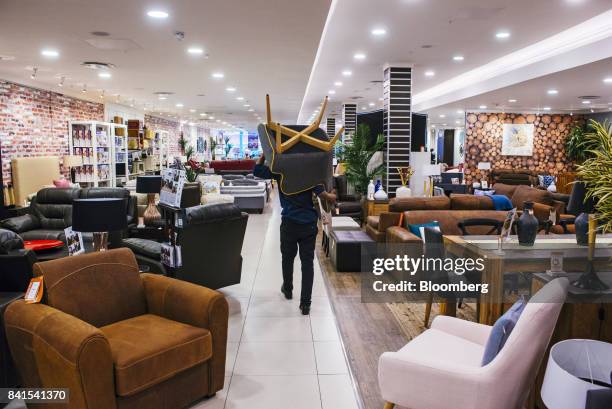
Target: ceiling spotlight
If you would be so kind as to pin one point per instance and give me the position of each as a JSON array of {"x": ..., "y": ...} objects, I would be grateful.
[
  {"x": 359, "y": 56},
  {"x": 364, "y": 108},
  {"x": 195, "y": 51},
  {"x": 331, "y": 92},
  {"x": 552, "y": 92},
  {"x": 211, "y": 117},
  {"x": 512, "y": 100},
  {"x": 458, "y": 58},
  {"x": 483, "y": 107},
  {"x": 179, "y": 105},
  {"x": 192, "y": 110},
  {"x": 246, "y": 105},
  {"x": 502, "y": 34},
  {"x": 429, "y": 73},
  {"x": 586, "y": 102},
  {"x": 157, "y": 14},
  {"x": 34, "y": 72},
  {"x": 202, "y": 114},
  {"x": 102, "y": 94},
  {"x": 442, "y": 116},
  {"x": 61, "y": 83},
  {"x": 607, "y": 80},
  {"x": 50, "y": 53},
  {"x": 104, "y": 74},
  {"x": 240, "y": 98},
  {"x": 460, "y": 112},
  {"x": 546, "y": 108},
  {"x": 230, "y": 89},
  {"x": 251, "y": 110},
  {"x": 163, "y": 97},
  {"x": 218, "y": 75},
  {"x": 347, "y": 73},
  {"x": 84, "y": 90},
  {"x": 338, "y": 83},
  {"x": 457, "y": 122},
  {"x": 379, "y": 32}
]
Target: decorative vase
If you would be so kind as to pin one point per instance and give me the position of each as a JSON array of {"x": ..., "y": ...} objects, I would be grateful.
[
  {"x": 581, "y": 224},
  {"x": 371, "y": 190},
  {"x": 380, "y": 194},
  {"x": 378, "y": 185},
  {"x": 403, "y": 191},
  {"x": 527, "y": 226}
]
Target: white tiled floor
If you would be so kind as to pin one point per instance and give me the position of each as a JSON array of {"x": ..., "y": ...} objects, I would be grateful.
[{"x": 276, "y": 357}]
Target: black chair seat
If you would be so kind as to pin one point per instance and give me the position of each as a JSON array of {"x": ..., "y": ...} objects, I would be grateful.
[
  {"x": 148, "y": 248},
  {"x": 349, "y": 207}
]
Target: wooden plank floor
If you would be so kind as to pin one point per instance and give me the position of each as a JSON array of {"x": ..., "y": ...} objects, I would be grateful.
[{"x": 367, "y": 330}]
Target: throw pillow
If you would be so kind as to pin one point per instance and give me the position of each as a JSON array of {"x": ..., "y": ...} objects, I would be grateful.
[
  {"x": 545, "y": 180},
  {"x": 501, "y": 331},
  {"x": 419, "y": 229},
  {"x": 478, "y": 192},
  {"x": 62, "y": 183}
]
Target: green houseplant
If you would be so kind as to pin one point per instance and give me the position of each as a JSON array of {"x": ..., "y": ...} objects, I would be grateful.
[
  {"x": 596, "y": 170},
  {"x": 356, "y": 155},
  {"x": 578, "y": 145}
]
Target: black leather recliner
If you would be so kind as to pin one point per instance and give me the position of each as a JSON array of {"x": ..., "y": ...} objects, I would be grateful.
[
  {"x": 15, "y": 263},
  {"x": 51, "y": 211},
  {"x": 348, "y": 205},
  {"x": 211, "y": 246}
]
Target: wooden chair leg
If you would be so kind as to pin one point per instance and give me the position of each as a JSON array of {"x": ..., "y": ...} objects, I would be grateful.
[
  {"x": 389, "y": 405},
  {"x": 428, "y": 310}
]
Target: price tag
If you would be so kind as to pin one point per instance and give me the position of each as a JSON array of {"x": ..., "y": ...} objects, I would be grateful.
[{"x": 34, "y": 292}]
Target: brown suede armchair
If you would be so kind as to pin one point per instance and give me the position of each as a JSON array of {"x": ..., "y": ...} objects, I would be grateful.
[{"x": 117, "y": 338}]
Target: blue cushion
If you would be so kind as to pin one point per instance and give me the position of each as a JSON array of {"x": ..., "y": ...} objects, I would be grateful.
[
  {"x": 501, "y": 331},
  {"x": 545, "y": 180},
  {"x": 416, "y": 228}
]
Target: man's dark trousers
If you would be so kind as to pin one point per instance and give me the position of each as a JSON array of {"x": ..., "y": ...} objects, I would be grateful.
[{"x": 303, "y": 236}]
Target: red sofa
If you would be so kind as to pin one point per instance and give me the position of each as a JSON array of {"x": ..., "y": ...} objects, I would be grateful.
[{"x": 238, "y": 166}]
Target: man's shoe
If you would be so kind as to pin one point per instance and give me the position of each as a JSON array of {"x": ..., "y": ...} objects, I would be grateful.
[
  {"x": 286, "y": 293},
  {"x": 305, "y": 308}
]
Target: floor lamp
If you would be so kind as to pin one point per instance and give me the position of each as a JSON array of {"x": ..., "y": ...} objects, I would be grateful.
[{"x": 99, "y": 216}]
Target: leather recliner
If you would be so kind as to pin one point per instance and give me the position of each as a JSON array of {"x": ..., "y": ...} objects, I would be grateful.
[
  {"x": 117, "y": 338},
  {"x": 348, "y": 205},
  {"x": 15, "y": 263},
  {"x": 211, "y": 245},
  {"x": 51, "y": 211}
]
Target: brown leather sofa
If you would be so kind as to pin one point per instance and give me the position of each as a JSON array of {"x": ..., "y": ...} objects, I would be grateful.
[
  {"x": 117, "y": 338},
  {"x": 544, "y": 201},
  {"x": 515, "y": 177},
  {"x": 377, "y": 226}
]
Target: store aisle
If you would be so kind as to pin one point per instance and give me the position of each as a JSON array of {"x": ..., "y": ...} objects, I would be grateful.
[{"x": 276, "y": 357}]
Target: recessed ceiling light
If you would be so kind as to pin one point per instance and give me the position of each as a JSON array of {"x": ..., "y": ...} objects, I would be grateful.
[
  {"x": 371, "y": 104},
  {"x": 458, "y": 58},
  {"x": 230, "y": 89},
  {"x": 347, "y": 73},
  {"x": 240, "y": 98},
  {"x": 586, "y": 102},
  {"x": 202, "y": 114},
  {"x": 608, "y": 80},
  {"x": 195, "y": 51},
  {"x": 218, "y": 75},
  {"x": 442, "y": 116},
  {"x": 459, "y": 111},
  {"x": 379, "y": 32},
  {"x": 104, "y": 75},
  {"x": 457, "y": 122},
  {"x": 502, "y": 34},
  {"x": 157, "y": 14},
  {"x": 192, "y": 110},
  {"x": 380, "y": 99},
  {"x": 163, "y": 97},
  {"x": 331, "y": 91},
  {"x": 429, "y": 73},
  {"x": 359, "y": 56},
  {"x": 552, "y": 92},
  {"x": 512, "y": 100},
  {"x": 251, "y": 110},
  {"x": 483, "y": 107},
  {"x": 338, "y": 83},
  {"x": 546, "y": 108},
  {"x": 84, "y": 90},
  {"x": 179, "y": 105},
  {"x": 50, "y": 53},
  {"x": 246, "y": 105},
  {"x": 211, "y": 117}
]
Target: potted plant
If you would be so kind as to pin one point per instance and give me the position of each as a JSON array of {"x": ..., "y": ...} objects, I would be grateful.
[
  {"x": 578, "y": 145},
  {"x": 357, "y": 154},
  {"x": 213, "y": 147}
]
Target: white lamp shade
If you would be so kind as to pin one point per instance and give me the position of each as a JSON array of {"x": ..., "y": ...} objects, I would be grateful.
[
  {"x": 71, "y": 161},
  {"x": 569, "y": 361},
  {"x": 484, "y": 165}
]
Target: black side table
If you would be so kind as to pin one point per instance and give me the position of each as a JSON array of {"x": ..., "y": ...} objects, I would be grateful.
[{"x": 8, "y": 372}]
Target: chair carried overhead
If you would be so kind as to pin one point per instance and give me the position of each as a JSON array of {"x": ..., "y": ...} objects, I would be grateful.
[{"x": 301, "y": 155}]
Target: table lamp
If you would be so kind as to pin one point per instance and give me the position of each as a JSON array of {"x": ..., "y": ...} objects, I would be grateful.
[
  {"x": 99, "y": 216},
  {"x": 70, "y": 162},
  {"x": 484, "y": 166},
  {"x": 150, "y": 185}
]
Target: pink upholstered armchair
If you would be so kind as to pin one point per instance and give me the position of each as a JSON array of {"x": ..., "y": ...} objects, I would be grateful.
[{"x": 441, "y": 368}]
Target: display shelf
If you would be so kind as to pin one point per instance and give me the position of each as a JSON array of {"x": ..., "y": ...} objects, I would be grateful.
[
  {"x": 93, "y": 141},
  {"x": 121, "y": 154}
]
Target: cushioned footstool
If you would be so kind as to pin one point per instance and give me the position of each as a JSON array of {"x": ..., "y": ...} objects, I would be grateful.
[
  {"x": 337, "y": 223},
  {"x": 345, "y": 249}
]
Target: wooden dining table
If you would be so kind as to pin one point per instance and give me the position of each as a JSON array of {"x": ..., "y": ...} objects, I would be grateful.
[{"x": 515, "y": 258}]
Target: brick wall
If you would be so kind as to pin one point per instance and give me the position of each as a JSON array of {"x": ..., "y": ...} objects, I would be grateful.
[
  {"x": 172, "y": 127},
  {"x": 34, "y": 122}
]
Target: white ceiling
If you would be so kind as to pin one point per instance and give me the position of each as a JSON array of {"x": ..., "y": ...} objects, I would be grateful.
[
  {"x": 450, "y": 27},
  {"x": 532, "y": 95},
  {"x": 262, "y": 46}
]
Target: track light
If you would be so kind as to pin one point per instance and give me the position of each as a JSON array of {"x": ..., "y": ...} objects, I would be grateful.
[
  {"x": 61, "y": 83},
  {"x": 34, "y": 72},
  {"x": 84, "y": 90}
]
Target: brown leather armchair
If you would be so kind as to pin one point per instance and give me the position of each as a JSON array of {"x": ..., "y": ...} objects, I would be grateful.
[{"x": 117, "y": 338}]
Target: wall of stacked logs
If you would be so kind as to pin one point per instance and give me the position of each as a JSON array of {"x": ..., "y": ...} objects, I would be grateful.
[{"x": 483, "y": 143}]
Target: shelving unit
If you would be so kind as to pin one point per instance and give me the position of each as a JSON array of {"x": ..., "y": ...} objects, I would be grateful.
[
  {"x": 92, "y": 140},
  {"x": 121, "y": 153}
]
